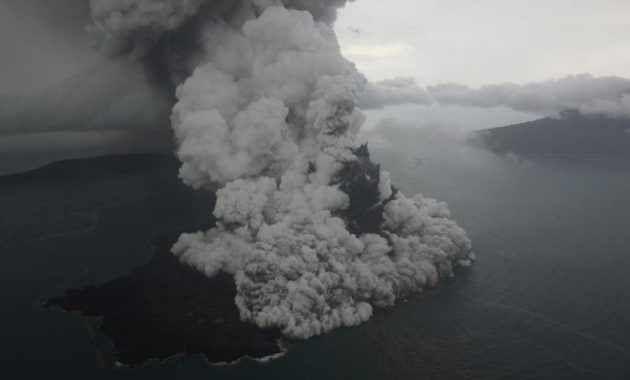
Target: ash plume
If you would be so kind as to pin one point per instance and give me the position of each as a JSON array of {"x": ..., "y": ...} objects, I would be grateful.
[
  {"x": 109, "y": 96},
  {"x": 313, "y": 232}
]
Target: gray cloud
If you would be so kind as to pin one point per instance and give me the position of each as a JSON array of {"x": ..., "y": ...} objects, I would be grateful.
[
  {"x": 134, "y": 27},
  {"x": 394, "y": 91},
  {"x": 121, "y": 27},
  {"x": 107, "y": 109},
  {"x": 608, "y": 96},
  {"x": 111, "y": 95},
  {"x": 591, "y": 95},
  {"x": 43, "y": 42}
]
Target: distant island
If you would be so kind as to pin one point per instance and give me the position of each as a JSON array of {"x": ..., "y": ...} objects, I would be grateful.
[{"x": 571, "y": 133}]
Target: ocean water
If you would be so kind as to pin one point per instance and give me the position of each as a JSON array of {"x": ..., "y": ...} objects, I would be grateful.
[{"x": 547, "y": 298}]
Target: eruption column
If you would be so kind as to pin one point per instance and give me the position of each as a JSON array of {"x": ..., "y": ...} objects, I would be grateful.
[{"x": 312, "y": 231}]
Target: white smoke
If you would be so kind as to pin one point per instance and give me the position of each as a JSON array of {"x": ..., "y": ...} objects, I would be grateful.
[
  {"x": 270, "y": 115},
  {"x": 592, "y": 96}
]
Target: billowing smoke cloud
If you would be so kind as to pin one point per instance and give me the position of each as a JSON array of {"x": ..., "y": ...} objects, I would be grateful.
[
  {"x": 596, "y": 96},
  {"x": 312, "y": 231},
  {"x": 134, "y": 27},
  {"x": 123, "y": 27}
]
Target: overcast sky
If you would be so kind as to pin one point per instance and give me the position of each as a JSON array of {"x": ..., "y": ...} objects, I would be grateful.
[
  {"x": 486, "y": 41},
  {"x": 473, "y": 42},
  {"x": 470, "y": 42}
]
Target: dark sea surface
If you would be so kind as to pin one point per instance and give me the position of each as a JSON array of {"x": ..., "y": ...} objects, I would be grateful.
[{"x": 548, "y": 297}]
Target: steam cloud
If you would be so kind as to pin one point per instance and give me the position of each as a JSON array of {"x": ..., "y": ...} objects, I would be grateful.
[
  {"x": 594, "y": 96},
  {"x": 313, "y": 232}
]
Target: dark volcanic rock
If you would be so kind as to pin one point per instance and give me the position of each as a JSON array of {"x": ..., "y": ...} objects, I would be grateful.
[
  {"x": 360, "y": 179},
  {"x": 164, "y": 308}
]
